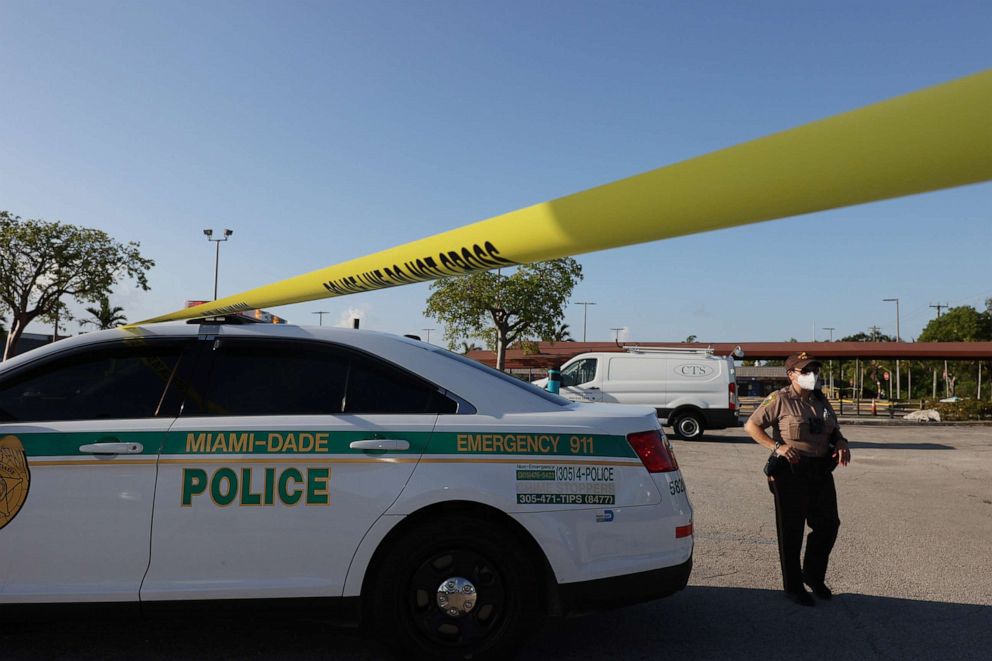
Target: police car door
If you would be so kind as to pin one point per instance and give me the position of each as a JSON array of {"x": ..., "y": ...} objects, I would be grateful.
[
  {"x": 79, "y": 438},
  {"x": 279, "y": 465}
]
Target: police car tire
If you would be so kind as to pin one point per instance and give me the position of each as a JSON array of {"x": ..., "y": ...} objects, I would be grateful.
[
  {"x": 688, "y": 426},
  {"x": 404, "y": 605}
]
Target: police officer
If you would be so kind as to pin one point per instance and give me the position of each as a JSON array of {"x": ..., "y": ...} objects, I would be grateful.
[{"x": 806, "y": 435}]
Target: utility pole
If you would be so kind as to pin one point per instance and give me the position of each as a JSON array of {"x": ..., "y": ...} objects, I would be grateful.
[
  {"x": 617, "y": 338},
  {"x": 898, "y": 339},
  {"x": 585, "y": 313},
  {"x": 831, "y": 329},
  {"x": 320, "y": 315},
  {"x": 875, "y": 331},
  {"x": 428, "y": 333},
  {"x": 939, "y": 306}
]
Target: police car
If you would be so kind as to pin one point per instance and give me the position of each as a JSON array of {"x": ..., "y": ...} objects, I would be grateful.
[{"x": 446, "y": 505}]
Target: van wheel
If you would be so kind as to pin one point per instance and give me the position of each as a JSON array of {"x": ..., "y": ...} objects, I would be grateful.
[
  {"x": 456, "y": 589},
  {"x": 688, "y": 426}
]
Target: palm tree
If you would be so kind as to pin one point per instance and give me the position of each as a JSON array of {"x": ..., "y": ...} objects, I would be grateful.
[
  {"x": 560, "y": 334},
  {"x": 105, "y": 317}
]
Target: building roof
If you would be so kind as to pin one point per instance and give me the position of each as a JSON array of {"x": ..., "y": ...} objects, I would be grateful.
[{"x": 550, "y": 354}]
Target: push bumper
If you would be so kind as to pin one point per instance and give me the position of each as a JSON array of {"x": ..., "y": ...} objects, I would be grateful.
[{"x": 585, "y": 596}]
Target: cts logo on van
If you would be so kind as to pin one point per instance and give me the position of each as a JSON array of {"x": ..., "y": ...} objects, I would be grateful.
[{"x": 694, "y": 370}]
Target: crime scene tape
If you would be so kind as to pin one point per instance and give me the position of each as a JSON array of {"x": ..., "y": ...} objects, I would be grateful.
[{"x": 931, "y": 139}]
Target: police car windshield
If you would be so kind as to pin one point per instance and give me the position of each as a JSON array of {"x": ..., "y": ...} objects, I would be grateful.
[{"x": 532, "y": 389}]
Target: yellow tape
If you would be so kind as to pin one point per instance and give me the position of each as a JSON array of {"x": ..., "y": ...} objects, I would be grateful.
[{"x": 935, "y": 138}]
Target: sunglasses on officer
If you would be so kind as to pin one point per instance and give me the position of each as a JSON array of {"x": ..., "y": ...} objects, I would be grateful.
[{"x": 808, "y": 370}]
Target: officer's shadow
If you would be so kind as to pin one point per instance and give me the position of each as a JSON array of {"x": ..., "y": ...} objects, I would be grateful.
[{"x": 722, "y": 623}]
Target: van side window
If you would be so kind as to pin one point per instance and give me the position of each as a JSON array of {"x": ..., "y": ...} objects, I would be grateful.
[{"x": 579, "y": 372}]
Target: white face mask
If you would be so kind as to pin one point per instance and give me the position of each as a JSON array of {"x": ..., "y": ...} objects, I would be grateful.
[{"x": 807, "y": 381}]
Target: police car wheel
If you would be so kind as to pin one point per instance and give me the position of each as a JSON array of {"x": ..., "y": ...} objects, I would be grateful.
[
  {"x": 454, "y": 589},
  {"x": 688, "y": 427}
]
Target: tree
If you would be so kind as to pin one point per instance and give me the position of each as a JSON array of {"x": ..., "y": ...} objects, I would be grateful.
[
  {"x": 468, "y": 347},
  {"x": 105, "y": 317},
  {"x": 960, "y": 324},
  {"x": 560, "y": 334},
  {"x": 43, "y": 262},
  {"x": 503, "y": 308},
  {"x": 872, "y": 336},
  {"x": 690, "y": 339}
]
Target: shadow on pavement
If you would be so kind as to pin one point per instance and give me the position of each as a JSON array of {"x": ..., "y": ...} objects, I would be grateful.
[
  {"x": 721, "y": 623},
  {"x": 899, "y": 446},
  {"x": 698, "y": 623}
]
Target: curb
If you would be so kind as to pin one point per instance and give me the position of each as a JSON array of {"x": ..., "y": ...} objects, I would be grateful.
[{"x": 897, "y": 422}]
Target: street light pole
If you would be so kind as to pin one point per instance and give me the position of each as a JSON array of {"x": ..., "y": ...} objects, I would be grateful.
[
  {"x": 898, "y": 339},
  {"x": 585, "y": 313},
  {"x": 320, "y": 315},
  {"x": 210, "y": 237},
  {"x": 831, "y": 330}
]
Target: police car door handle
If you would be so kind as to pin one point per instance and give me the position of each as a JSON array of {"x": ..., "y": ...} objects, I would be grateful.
[
  {"x": 112, "y": 448},
  {"x": 380, "y": 444}
]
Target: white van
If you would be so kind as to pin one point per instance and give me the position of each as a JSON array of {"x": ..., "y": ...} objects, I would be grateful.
[{"x": 692, "y": 389}]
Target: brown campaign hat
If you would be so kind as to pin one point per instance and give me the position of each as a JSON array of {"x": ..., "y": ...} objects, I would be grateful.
[{"x": 798, "y": 361}]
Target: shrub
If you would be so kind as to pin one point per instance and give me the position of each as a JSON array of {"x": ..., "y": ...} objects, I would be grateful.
[{"x": 966, "y": 409}]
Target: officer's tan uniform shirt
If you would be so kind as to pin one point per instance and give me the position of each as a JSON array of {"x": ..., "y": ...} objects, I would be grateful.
[{"x": 793, "y": 421}]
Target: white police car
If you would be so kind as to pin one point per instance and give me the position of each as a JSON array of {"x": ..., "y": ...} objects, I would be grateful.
[{"x": 448, "y": 506}]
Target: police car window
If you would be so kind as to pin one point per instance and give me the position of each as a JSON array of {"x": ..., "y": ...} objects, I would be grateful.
[
  {"x": 502, "y": 376},
  {"x": 103, "y": 383},
  {"x": 273, "y": 378},
  {"x": 251, "y": 377},
  {"x": 578, "y": 373},
  {"x": 377, "y": 387}
]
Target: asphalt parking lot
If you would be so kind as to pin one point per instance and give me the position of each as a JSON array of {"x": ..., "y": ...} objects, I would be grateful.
[{"x": 912, "y": 574}]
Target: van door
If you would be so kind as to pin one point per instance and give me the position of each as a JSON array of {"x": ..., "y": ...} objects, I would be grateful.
[{"x": 580, "y": 381}]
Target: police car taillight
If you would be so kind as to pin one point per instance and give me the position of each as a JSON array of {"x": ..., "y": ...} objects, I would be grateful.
[
  {"x": 654, "y": 450},
  {"x": 684, "y": 531},
  {"x": 733, "y": 395}
]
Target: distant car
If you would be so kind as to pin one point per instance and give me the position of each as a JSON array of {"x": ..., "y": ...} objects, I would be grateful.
[
  {"x": 446, "y": 505},
  {"x": 952, "y": 400},
  {"x": 691, "y": 390}
]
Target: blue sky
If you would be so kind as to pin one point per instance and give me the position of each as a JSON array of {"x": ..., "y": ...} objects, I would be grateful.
[{"x": 323, "y": 131}]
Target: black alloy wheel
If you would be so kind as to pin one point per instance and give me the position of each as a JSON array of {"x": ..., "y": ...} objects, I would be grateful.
[{"x": 456, "y": 588}]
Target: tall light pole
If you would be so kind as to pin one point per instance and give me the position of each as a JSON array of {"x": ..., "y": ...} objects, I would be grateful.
[
  {"x": 320, "y": 315},
  {"x": 898, "y": 339},
  {"x": 585, "y": 313},
  {"x": 831, "y": 330},
  {"x": 428, "y": 333},
  {"x": 210, "y": 237}
]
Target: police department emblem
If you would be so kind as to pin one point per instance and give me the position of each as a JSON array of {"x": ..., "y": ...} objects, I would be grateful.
[{"x": 15, "y": 478}]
